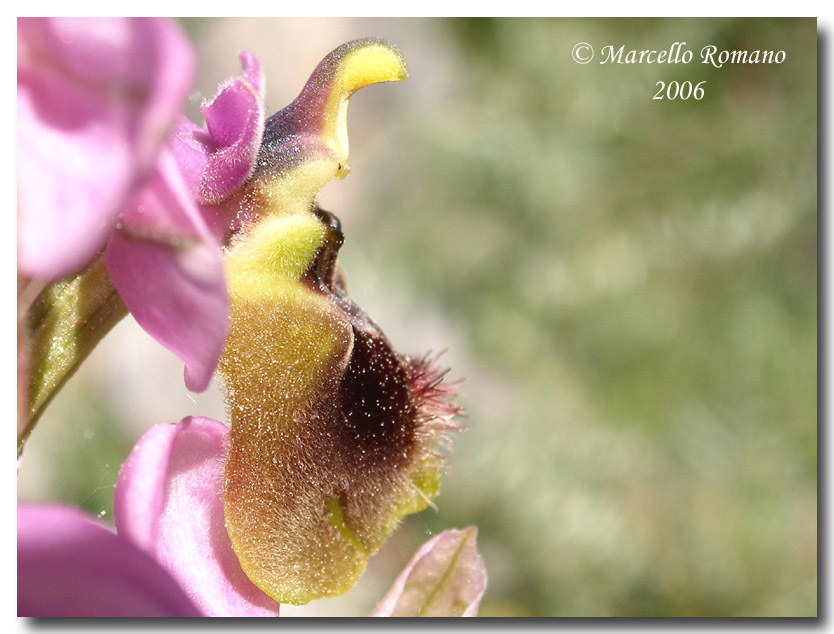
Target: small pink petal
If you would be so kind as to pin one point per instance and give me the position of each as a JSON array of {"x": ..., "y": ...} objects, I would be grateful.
[
  {"x": 96, "y": 99},
  {"x": 235, "y": 121},
  {"x": 252, "y": 72},
  {"x": 191, "y": 146},
  {"x": 169, "y": 502},
  {"x": 446, "y": 577},
  {"x": 70, "y": 565},
  {"x": 218, "y": 160},
  {"x": 168, "y": 269}
]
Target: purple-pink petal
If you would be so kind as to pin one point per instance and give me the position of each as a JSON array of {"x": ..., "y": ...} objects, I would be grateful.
[
  {"x": 96, "y": 100},
  {"x": 168, "y": 269},
  {"x": 446, "y": 577},
  {"x": 68, "y": 565},
  {"x": 252, "y": 72},
  {"x": 169, "y": 502},
  {"x": 219, "y": 160},
  {"x": 191, "y": 146}
]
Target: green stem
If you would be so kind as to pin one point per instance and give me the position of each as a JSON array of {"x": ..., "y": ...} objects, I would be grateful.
[{"x": 58, "y": 326}]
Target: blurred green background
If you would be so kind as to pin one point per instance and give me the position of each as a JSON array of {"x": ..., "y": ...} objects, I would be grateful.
[{"x": 626, "y": 286}]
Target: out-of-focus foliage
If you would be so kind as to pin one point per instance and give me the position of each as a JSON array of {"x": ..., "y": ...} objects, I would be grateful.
[
  {"x": 627, "y": 286},
  {"x": 639, "y": 279}
]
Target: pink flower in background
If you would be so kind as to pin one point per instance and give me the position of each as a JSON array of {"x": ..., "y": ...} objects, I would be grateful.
[
  {"x": 96, "y": 99},
  {"x": 165, "y": 258},
  {"x": 169, "y": 503},
  {"x": 68, "y": 564},
  {"x": 105, "y": 158},
  {"x": 172, "y": 555}
]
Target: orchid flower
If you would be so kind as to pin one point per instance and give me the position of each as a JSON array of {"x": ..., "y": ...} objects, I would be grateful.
[
  {"x": 342, "y": 444},
  {"x": 334, "y": 435}
]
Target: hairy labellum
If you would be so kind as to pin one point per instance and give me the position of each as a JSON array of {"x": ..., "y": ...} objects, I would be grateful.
[{"x": 333, "y": 432}]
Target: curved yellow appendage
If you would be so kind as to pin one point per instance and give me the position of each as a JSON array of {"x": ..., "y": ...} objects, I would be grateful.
[
  {"x": 305, "y": 145},
  {"x": 372, "y": 62}
]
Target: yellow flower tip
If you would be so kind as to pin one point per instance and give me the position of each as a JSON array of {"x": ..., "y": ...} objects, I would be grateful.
[
  {"x": 347, "y": 69},
  {"x": 357, "y": 64},
  {"x": 313, "y": 128}
]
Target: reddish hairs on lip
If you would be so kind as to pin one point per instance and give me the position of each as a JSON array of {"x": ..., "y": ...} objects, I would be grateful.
[{"x": 433, "y": 396}]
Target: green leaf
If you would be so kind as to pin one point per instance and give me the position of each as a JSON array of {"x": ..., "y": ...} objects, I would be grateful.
[{"x": 57, "y": 329}]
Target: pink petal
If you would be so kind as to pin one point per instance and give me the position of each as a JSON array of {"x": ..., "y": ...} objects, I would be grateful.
[
  {"x": 70, "y": 565},
  {"x": 217, "y": 162},
  {"x": 446, "y": 577},
  {"x": 252, "y": 72},
  {"x": 168, "y": 269},
  {"x": 169, "y": 502},
  {"x": 191, "y": 146},
  {"x": 96, "y": 99}
]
